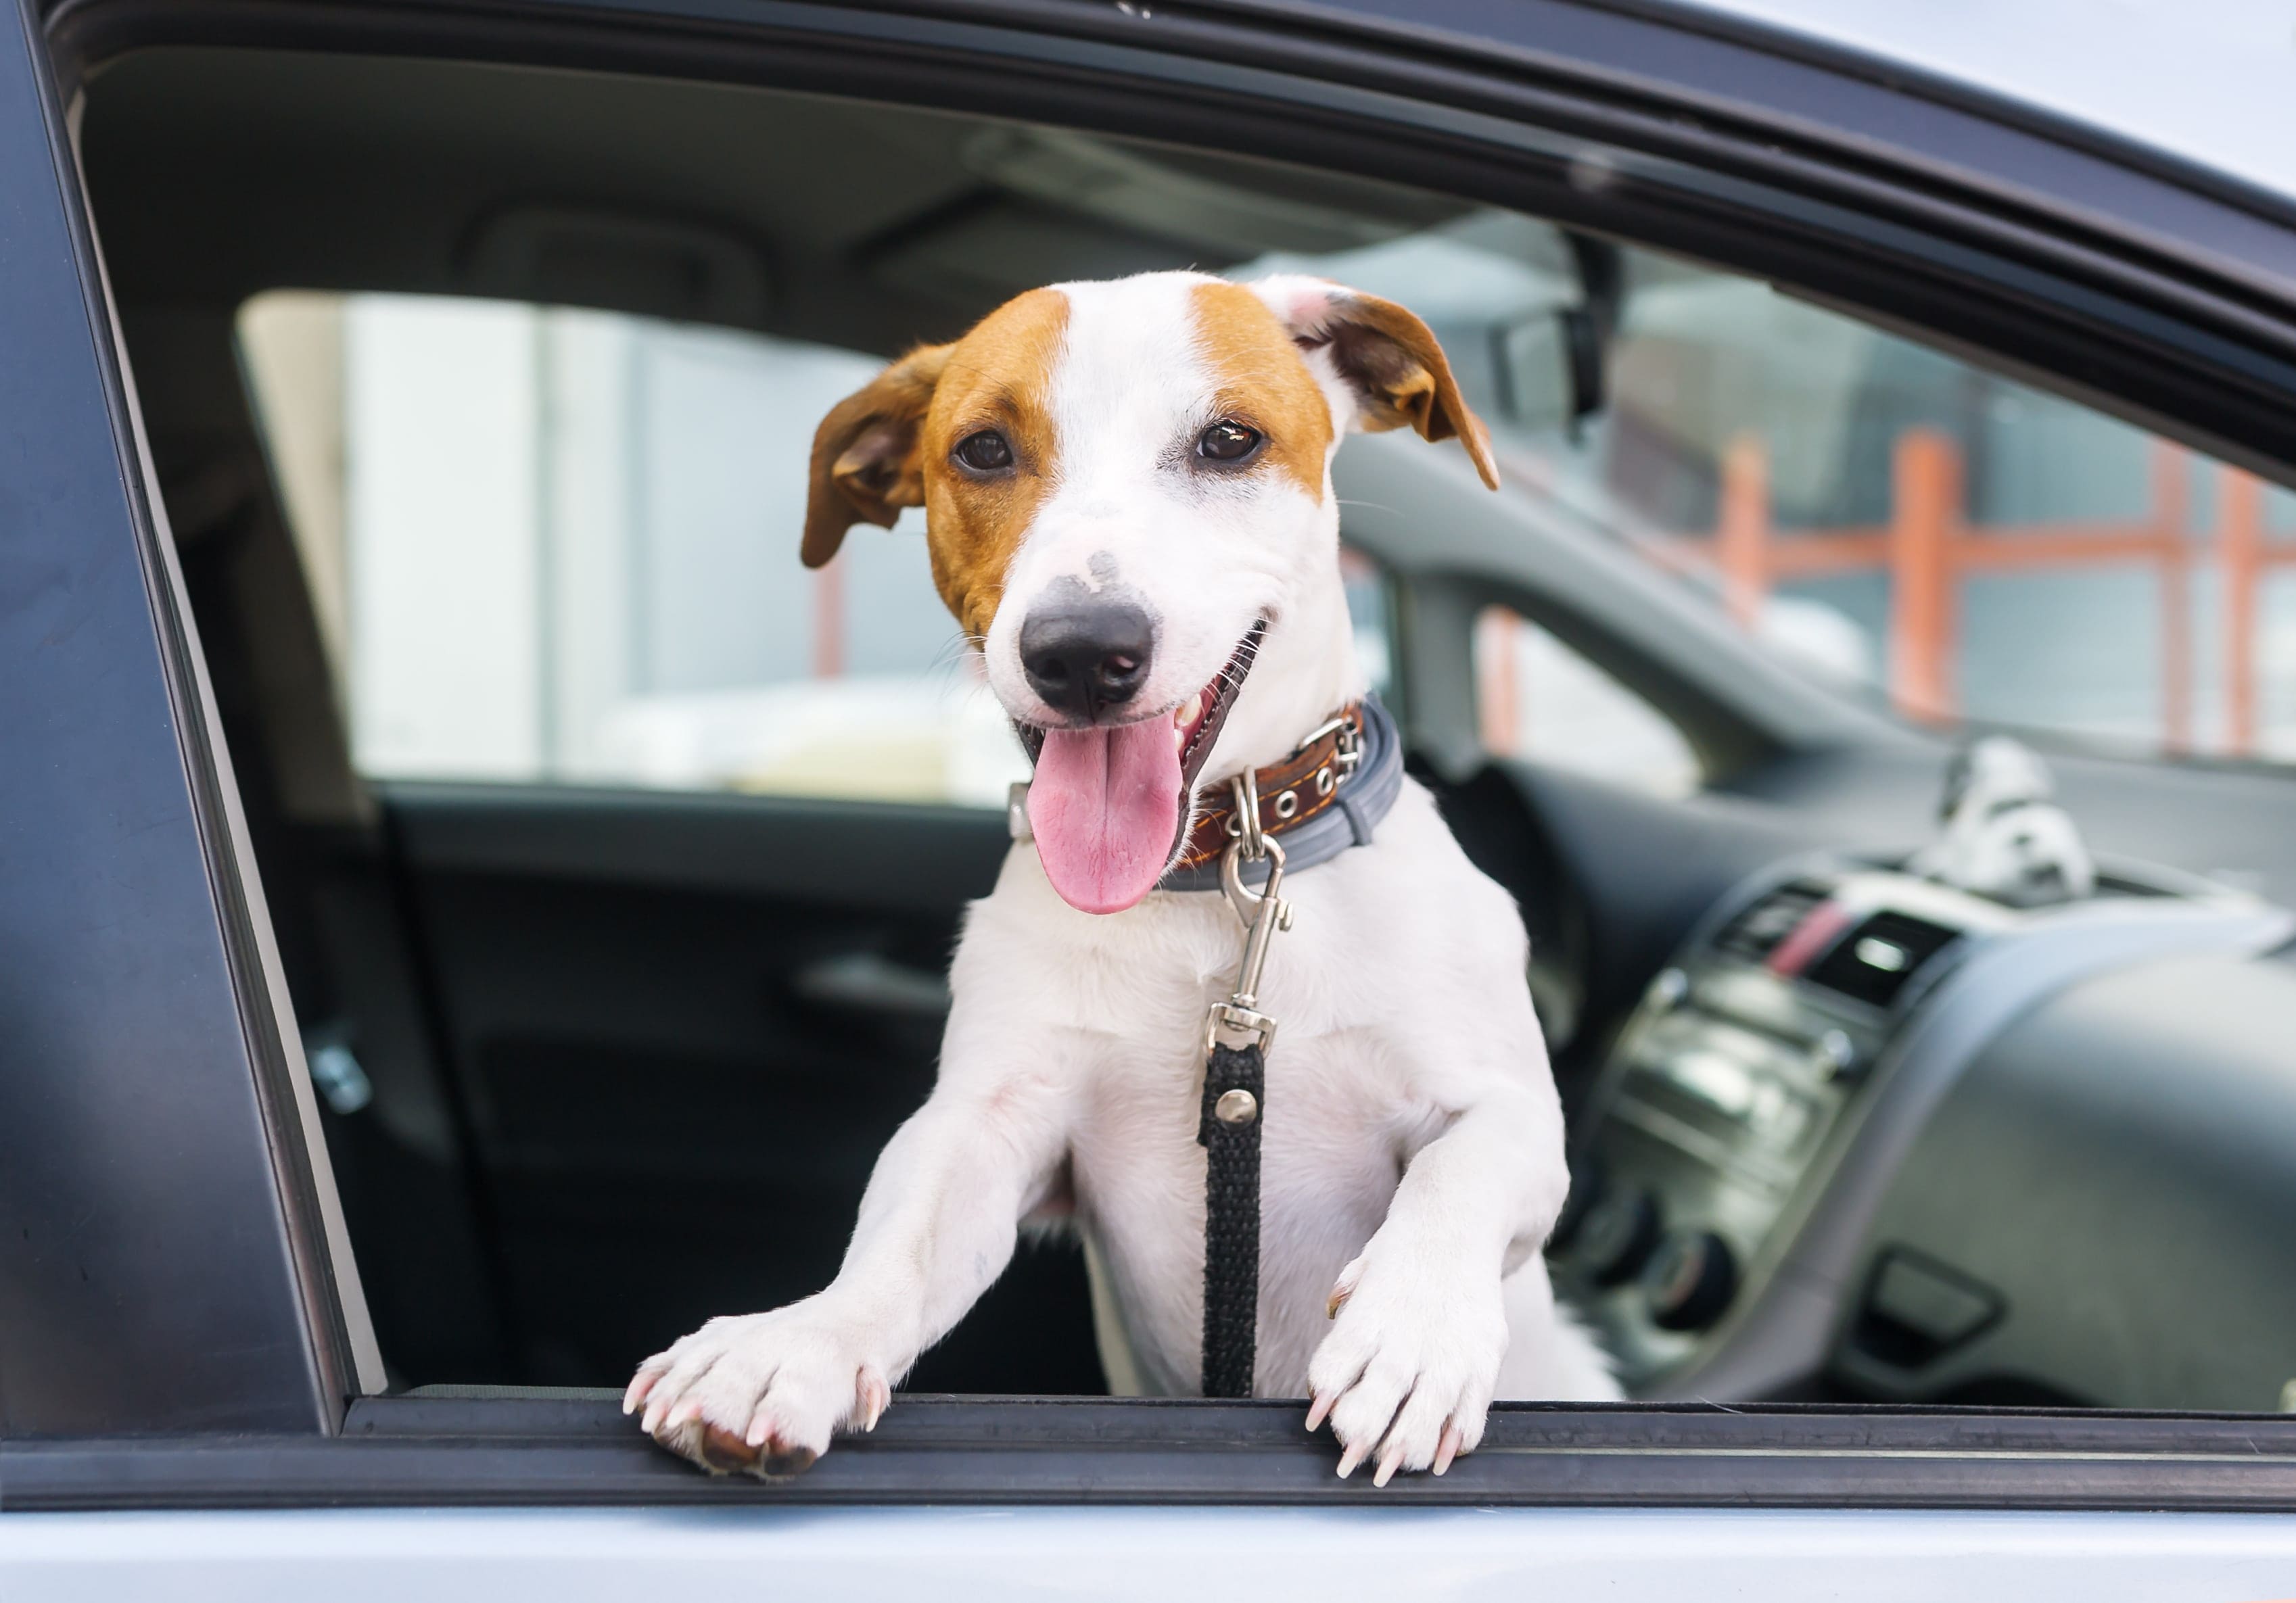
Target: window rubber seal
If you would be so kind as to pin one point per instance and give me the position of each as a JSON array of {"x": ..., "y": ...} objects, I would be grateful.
[{"x": 580, "y": 1451}]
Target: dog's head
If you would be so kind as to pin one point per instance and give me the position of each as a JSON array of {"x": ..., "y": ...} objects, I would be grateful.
[{"x": 1128, "y": 506}]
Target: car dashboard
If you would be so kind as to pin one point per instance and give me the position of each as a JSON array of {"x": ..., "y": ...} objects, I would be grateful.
[{"x": 1763, "y": 1133}]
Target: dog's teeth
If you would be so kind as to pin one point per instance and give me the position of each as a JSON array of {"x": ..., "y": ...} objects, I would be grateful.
[
  {"x": 1191, "y": 710},
  {"x": 1180, "y": 736}
]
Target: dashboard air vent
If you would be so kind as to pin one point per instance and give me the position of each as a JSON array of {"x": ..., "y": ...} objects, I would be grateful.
[
  {"x": 1756, "y": 931},
  {"x": 1873, "y": 961}
]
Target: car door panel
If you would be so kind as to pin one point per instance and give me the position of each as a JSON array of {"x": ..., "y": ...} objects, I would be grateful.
[{"x": 684, "y": 1027}]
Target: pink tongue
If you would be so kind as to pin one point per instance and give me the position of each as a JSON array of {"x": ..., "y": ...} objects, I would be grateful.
[{"x": 1104, "y": 805}]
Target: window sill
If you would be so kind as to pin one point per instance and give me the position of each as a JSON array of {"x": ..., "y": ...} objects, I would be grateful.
[{"x": 456, "y": 1451}]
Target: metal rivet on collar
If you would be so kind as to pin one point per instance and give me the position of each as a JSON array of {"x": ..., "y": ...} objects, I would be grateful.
[
  {"x": 1324, "y": 779},
  {"x": 1287, "y": 803},
  {"x": 1237, "y": 1107}
]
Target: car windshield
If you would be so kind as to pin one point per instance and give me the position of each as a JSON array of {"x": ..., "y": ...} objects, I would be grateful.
[{"x": 1886, "y": 518}]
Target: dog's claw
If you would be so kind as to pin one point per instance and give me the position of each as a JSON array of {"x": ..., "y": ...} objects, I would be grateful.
[
  {"x": 643, "y": 1382},
  {"x": 1388, "y": 1465},
  {"x": 1338, "y": 1300},
  {"x": 875, "y": 1397},
  {"x": 1352, "y": 1457},
  {"x": 1317, "y": 1408},
  {"x": 1448, "y": 1448}
]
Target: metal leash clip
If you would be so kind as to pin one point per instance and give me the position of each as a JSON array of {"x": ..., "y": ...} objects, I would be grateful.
[{"x": 1237, "y": 1022}]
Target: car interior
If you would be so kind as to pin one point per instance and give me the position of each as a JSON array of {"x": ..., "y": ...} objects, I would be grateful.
[{"x": 615, "y": 991}]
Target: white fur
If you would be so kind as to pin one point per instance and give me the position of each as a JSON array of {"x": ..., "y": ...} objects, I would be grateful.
[
  {"x": 1412, "y": 1156},
  {"x": 1207, "y": 554}
]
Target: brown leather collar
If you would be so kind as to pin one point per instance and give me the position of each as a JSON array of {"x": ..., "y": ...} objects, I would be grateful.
[{"x": 1290, "y": 791}]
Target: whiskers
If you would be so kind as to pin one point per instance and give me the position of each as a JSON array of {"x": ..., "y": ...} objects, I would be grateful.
[
  {"x": 959, "y": 662},
  {"x": 1230, "y": 678},
  {"x": 960, "y": 652}
]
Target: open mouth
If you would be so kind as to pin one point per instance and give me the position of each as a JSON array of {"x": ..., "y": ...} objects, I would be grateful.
[{"x": 1109, "y": 804}]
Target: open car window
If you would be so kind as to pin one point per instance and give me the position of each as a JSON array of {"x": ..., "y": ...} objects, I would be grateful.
[{"x": 553, "y": 544}]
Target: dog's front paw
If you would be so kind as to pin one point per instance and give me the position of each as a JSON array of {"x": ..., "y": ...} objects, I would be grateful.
[
  {"x": 760, "y": 1392},
  {"x": 1410, "y": 1362}
]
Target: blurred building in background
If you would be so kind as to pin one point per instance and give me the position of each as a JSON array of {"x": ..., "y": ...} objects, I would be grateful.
[{"x": 561, "y": 544}]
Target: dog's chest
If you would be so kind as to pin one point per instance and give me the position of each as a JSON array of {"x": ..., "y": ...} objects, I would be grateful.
[
  {"x": 1330, "y": 1163},
  {"x": 1332, "y": 1123},
  {"x": 1121, "y": 1005}
]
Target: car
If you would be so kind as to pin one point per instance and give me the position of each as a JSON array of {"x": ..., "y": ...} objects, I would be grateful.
[{"x": 476, "y": 907}]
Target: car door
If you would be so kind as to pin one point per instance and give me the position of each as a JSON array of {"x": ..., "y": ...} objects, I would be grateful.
[{"x": 184, "y": 1333}]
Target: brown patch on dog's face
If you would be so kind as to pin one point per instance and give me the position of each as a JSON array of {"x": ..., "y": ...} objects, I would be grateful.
[
  {"x": 1262, "y": 382},
  {"x": 894, "y": 443},
  {"x": 998, "y": 380}
]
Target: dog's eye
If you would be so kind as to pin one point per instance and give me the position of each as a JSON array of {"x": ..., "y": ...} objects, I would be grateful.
[
  {"x": 1227, "y": 441},
  {"x": 986, "y": 452}
]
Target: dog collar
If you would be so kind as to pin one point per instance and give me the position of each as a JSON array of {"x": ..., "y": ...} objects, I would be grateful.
[{"x": 1328, "y": 795}]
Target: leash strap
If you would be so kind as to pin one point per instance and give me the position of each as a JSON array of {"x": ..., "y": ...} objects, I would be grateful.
[
  {"x": 1237, "y": 1037},
  {"x": 1234, "y": 1093}
]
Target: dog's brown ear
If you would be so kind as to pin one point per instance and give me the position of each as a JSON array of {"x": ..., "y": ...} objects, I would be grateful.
[
  {"x": 865, "y": 467},
  {"x": 1386, "y": 356}
]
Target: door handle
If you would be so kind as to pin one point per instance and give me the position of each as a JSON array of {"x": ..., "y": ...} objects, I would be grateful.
[{"x": 863, "y": 982}]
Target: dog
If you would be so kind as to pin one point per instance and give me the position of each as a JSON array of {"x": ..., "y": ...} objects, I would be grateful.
[
  {"x": 2004, "y": 837},
  {"x": 1129, "y": 511}
]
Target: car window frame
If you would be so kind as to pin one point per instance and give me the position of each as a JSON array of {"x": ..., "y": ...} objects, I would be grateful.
[
  {"x": 166, "y": 1063},
  {"x": 462, "y": 1448}
]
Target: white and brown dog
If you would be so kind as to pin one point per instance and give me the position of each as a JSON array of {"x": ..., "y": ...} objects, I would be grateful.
[{"x": 1129, "y": 509}]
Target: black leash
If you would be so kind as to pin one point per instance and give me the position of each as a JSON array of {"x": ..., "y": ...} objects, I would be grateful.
[
  {"x": 1234, "y": 1093},
  {"x": 1237, "y": 1037}
]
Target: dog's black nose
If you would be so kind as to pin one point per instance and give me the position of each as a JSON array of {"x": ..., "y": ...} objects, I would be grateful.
[{"x": 1085, "y": 656}]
